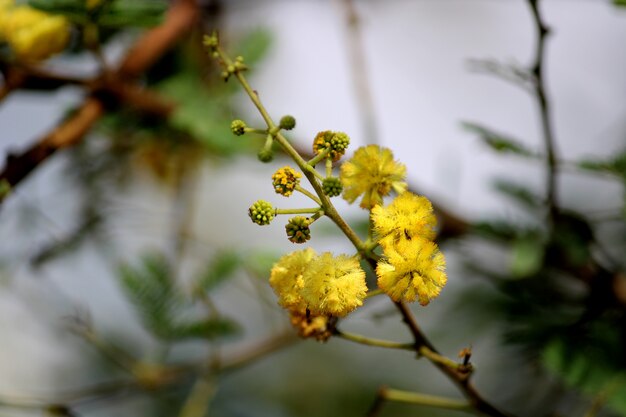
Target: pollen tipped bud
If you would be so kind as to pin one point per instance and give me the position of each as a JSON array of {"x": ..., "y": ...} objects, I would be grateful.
[
  {"x": 332, "y": 186},
  {"x": 336, "y": 142},
  {"x": 298, "y": 229},
  {"x": 261, "y": 212},
  {"x": 287, "y": 122},
  {"x": 285, "y": 180},
  {"x": 238, "y": 127}
]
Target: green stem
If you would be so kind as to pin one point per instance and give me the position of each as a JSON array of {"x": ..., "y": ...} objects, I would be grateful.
[
  {"x": 357, "y": 338},
  {"x": 298, "y": 211},
  {"x": 308, "y": 171},
  {"x": 319, "y": 157},
  {"x": 329, "y": 168},
  {"x": 424, "y": 399},
  {"x": 437, "y": 358},
  {"x": 308, "y": 194},
  {"x": 374, "y": 293}
]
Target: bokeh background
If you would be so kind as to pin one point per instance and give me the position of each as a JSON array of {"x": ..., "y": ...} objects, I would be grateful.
[{"x": 403, "y": 75}]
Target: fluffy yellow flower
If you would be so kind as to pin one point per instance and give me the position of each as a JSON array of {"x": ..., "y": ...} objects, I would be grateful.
[
  {"x": 373, "y": 173},
  {"x": 408, "y": 216},
  {"x": 333, "y": 285},
  {"x": 286, "y": 279},
  {"x": 32, "y": 34},
  {"x": 412, "y": 269}
]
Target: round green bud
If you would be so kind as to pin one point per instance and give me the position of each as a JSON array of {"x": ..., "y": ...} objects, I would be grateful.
[
  {"x": 265, "y": 155},
  {"x": 238, "y": 127},
  {"x": 287, "y": 122},
  {"x": 298, "y": 229},
  {"x": 332, "y": 186},
  {"x": 211, "y": 41},
  {"x": 261, "y": 212}
]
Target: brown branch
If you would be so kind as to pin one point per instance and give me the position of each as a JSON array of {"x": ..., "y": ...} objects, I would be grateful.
[
  {"x": 148, "y": 49},
  {"x": 457, "y": 375}
]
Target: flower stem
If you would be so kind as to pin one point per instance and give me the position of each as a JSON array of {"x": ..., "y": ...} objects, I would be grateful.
[
  {"x": 308, "y": 194},
  {"x": 357, "y": 338},
  {"x": 307, "y": 170},
  {"x": 424, "y": 399},
  {"x": 319, "y": 157},
  {"x": 437, "y": 358},
  {"x": 374, "y": 293},
  {"x": 298, "y": 211}
]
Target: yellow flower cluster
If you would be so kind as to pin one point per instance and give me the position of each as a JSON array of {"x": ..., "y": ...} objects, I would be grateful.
[
  {"x": 324, "y": 285},
  {"x": 373, "y": 173},
  {"x": 413, "y": 267},
  {"x": 32, "y": 34},
  {"x": 285, "y": 180}
]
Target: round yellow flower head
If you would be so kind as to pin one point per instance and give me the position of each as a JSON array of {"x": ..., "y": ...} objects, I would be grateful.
[
  {"x": 413, "y": 269},
  {"x": 310, "y": 326},
  {"x": 333, "y": 286},
  {"x": 373, "y": 173},
  {"x": 286, "y": 279},
  {"x": 32, "y": 34},
  {"x": 408, "y": 216},
  {"x": 285, "y": 180}
]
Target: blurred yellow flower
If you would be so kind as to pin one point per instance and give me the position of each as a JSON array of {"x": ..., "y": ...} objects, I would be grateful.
[
  {"x": 286, "y": 279},
  {"x": 32, "y": 34},
  {"x": 333, "y": 285},
  {"x": 373, "y": 173},
  {"x": 408, "y": 216},
  {"x": 412, "y": 269}
]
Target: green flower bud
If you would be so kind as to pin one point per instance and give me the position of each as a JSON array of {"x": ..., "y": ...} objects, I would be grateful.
[
  {"x": 332, "y": 186},
  {"x": 261, "y": 212},
  {"x": 211, "y": 41},
  {"x": 298, "y": 229},
  {"x": 265, "y": 155},
  {"x": 238, "y": 127},
  {"x": 287, "y": 122}
]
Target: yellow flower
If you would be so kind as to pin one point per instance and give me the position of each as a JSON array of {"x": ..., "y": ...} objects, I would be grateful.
[
  {"x": 333, "y": 285},
  {"x": 285, "y": 180},
  {"x": 373, "y": 173},
  {"x": 32, "y": 34},
  {"x": 286, "y": 279},
  {"x": 413, "y": 269},
  {"x": 407, "y": 216}
]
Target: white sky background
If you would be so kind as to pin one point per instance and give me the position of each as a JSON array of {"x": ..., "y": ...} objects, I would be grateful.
[{"x": 416, "y": 53}]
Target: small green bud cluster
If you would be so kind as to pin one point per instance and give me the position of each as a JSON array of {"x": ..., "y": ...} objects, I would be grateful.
[
  {"x": 287, "y": 122},
  {"x": 337, "y": 142},
  {"x": 238, "y": 127},
  {"x": 332, "y": 186},
  {"x": 298, "y": 229},
  {"x": 261, "y": 212}
]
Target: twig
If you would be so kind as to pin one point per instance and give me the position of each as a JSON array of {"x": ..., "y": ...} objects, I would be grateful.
[
  {"x": 388, "y": 394},
  {"x": 142, "y": 55},
  {"x": 537, "y": 69}
]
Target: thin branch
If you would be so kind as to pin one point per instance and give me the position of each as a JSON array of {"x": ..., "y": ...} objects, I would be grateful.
[
  {"x": 388, "y": 394},
  {"x": 148, "y": 49},
  {"x": 537, "y": 69}
]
